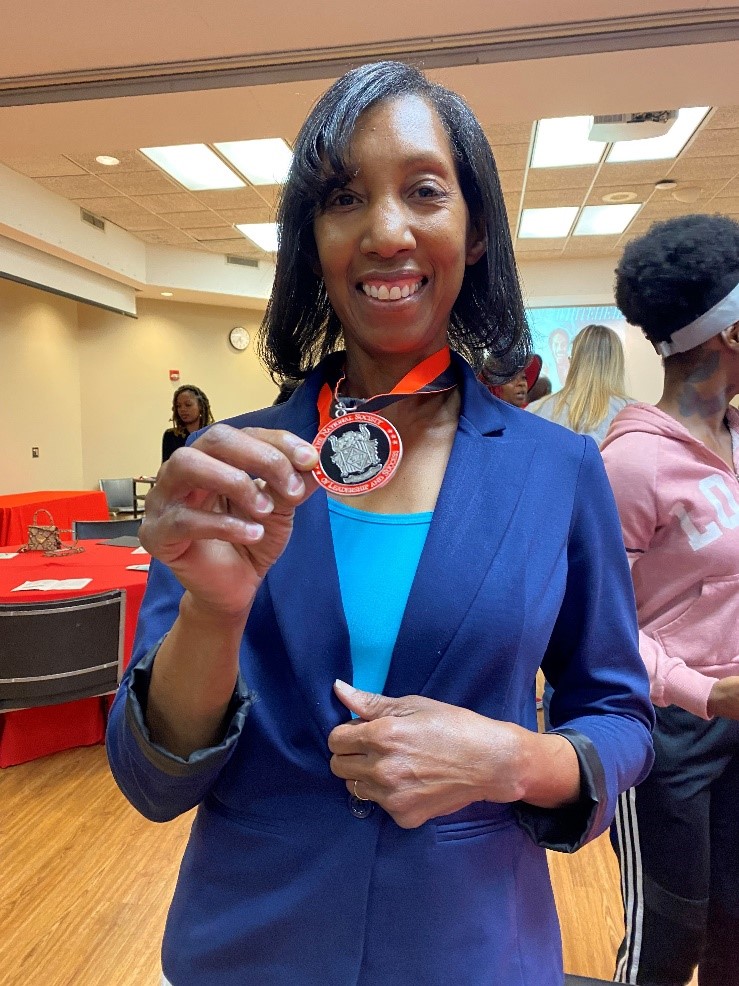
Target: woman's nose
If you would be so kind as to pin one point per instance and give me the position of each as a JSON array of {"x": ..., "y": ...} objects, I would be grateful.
[{"x": 388, "y": 229}]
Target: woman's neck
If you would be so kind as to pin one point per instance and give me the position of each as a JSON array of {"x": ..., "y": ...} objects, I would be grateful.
[
  {"x": 366, "y": 376},
  {"x": 697, "y": 392}
]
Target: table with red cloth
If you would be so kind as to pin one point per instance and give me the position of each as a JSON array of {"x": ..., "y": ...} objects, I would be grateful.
[
  {"x": 30, "y": 733},
  {"x": 17, "y": 510}
]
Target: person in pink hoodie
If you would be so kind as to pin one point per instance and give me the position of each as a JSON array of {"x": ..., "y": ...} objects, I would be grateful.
[{"x": 673, "y": 469}]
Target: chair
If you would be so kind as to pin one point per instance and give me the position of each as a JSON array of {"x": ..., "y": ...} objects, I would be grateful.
[
  {"x": 61, "y": 650},
  {"x": 82, "y": 529},
  {"x": 121, "y": 496}
]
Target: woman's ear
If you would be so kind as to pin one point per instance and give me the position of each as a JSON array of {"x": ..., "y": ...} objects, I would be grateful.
[
  {"x": 476, "y": 244},
  {"x": 731, "y": 336}
]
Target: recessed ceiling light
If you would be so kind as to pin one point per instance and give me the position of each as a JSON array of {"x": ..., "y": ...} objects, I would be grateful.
[
  {"x": 602, "y": 220},
  {"x": 541, "y": 223},
  {"x": 107, "y": 159},
  {"x": 614, "y": 198},
  {"x": 166, "y": 294},
  {"x": 564, "y": 141},
  {"x": 687, "y": 193},
  {"x": 195, "y": 166},
  {"x": 263, "y": 234},
  {"x": 668, "y": 145},
  {"x": 264, "y": 162},
  {"x": 665, "y": 185}
]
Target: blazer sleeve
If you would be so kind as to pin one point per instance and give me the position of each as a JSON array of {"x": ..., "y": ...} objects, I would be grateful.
[
  {"x": 601, "y": 690},
  {"x": 159, "y": 784}
]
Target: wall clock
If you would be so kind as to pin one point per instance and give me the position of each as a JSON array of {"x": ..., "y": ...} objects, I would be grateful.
[{"x": 239, "y": 338}]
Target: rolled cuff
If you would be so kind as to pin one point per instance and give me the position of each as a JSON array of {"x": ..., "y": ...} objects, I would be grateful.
[
  {"x": 568, "y": 828},
  {"x": 688, "y": 688}
]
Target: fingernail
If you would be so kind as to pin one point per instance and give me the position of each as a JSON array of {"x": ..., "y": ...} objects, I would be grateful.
[
  {"x": 342, "y": 685},
  {"x": 305, "y": 455},
  {"x": 295, "y": 485},
  {"x": 254, "y": 532},
  {"x": 263, "y": 503}
]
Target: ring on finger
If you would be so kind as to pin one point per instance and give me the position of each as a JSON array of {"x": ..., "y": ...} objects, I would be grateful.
[{"x": 357, "y": 795}]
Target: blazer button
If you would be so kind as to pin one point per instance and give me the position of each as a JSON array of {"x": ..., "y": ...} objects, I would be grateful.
[{"x": 359, "y": 808}]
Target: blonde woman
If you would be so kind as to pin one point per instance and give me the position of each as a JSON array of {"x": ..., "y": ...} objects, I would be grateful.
[{"x": 594, "y": 391}]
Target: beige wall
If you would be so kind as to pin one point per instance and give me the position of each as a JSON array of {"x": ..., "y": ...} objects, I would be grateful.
[
  {"x": 126, "y": 393},
  {"x": 40, "y": 390}
]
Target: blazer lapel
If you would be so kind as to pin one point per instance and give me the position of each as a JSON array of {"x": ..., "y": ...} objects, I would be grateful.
[
  {"x": 484, "y": 482},
  {"x": 304, "y": 588}
]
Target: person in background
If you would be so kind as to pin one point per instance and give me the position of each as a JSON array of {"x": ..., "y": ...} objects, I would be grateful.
[
  {"x": 594, "y": 391},
  {"x": 341, "y": 676},
  {"x": 190, "y": 412},
  {"x": 673, "y": 468},
  {"x": 559, "y": 343},
  {"x": 513, "y": 390},
  {"x": 542, "y": 388}
]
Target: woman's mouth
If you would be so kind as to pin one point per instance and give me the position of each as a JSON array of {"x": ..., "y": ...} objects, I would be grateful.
[{"x": 392, "y": 290}]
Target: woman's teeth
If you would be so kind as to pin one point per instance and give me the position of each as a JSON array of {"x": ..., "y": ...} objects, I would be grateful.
[{"x": 395, "y": 293}]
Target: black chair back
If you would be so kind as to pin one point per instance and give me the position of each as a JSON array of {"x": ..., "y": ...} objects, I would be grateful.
[
  {"x": 82, "y": 529},
  {"x": 61, "y": 650}
]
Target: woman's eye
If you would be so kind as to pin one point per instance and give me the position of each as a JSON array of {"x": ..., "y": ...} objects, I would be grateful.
[{"x": 342, "y": 198}]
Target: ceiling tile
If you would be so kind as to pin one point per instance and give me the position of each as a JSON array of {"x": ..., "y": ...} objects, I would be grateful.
[
  {"x": 510, "y": 156},
  {"x": 229, "y": 198},
  {"x": 694, "y": 169},
  {"x": 169, "y": 237},
  {"x": 553, "y": 198},
  {"x": 217, "y": 233},
  {"x": 192, "y": 220},
  {"x": 269, "y": 194},
  {"x": 728, "y": 188},
  {"x": 241, "y": 247},
  {"x": 84, "y": 187},
  {"x": 508, "y": 133},
  {"x": 722, "y": 117},
  {"x": 136, "y": 221},
  {"x": 107, "y": 204},
  {"x": 539, "y": 255},
  {"x": 51, "y": 166},
  {"x": 140, "y": 183},
  {"x": 129, "y": 161},
  {"x": 712, "y": 143},
  {"x": 537, "y": 246},
  {"x": 592, "y": 246},
  {"x": 666, "y": 209},
  {"x": 632, "y": 173},
  {"x": 176, "y": 202},
  {"x": 543, "y": 179},
  {"x": 263, "y": 214},
  {"x": 724, "y": 206}
]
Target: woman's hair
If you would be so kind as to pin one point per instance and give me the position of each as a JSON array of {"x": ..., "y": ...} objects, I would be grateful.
[
  {"x": 595, "y": 376},
  {"x": 677, "y": 271},
  {"x": 206, "y": 415},
  {"x": 300, "y": 327}
]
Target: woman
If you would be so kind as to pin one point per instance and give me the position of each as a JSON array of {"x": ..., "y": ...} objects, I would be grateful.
[
  {"x": 190, "y": 412},
  {"x": 594, "y": 391},
  {"x": 674, "y": 472},
  {"x": 404, "y": 846},
  {"x": 513, "y": 390}
]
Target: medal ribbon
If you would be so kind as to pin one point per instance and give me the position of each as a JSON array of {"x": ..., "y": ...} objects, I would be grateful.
[{"x": 433, "y": 375}]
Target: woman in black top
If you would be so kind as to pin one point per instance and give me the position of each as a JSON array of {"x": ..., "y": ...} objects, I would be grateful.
[{"x": 190, "y": 412}]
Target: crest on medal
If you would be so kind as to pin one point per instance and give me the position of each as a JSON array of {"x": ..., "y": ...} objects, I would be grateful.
[{"x": 358, "y": 452}]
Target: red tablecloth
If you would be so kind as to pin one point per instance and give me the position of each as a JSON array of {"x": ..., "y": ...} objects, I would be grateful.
[
  {"x": 30, "y": 733},
  {"x": 17, "y": 510}
]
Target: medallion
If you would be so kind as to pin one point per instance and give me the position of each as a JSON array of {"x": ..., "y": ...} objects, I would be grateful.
[{"x": 358, "y": 452}]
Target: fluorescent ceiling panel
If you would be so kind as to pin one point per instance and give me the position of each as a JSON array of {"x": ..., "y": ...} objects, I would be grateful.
[
  {"x": 263, "y": 234},
  {"x": 668, "y": 145},
  {"x": 195, "y": 166},
  {"x": 564, "y": 142},
  {"x": 602, "y": 220},
  {"x": 541, "y": 223},
  {"x": 264, "y": 162}
]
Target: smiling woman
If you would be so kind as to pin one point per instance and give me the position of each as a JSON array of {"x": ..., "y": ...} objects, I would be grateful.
[{"x": 391, "y": 830}]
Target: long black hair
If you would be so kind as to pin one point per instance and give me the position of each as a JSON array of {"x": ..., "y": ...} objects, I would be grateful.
[{"x": 300, "y": 327}]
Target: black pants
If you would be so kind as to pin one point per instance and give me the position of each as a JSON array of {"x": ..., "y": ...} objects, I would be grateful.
[{"x": 677, "y": 839}]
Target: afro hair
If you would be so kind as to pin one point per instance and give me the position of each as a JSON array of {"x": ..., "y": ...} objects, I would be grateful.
[{"x": 676, "y": 272}]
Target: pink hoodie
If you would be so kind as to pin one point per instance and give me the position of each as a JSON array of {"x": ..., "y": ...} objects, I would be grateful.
[{"x": 679, "y": 509}]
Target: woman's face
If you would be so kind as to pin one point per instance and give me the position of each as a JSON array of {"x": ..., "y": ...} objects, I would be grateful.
[
  {"x": 188, "y": 408},
  {"x": 514, "y": 391},
  {"x": 394, "y": 242}
]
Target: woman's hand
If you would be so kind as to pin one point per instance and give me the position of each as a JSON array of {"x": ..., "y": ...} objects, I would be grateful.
[
  {"x": 218, "y": 529},
  {"x": 724, "y": 698},
  {"x": 419, "y": 758}
]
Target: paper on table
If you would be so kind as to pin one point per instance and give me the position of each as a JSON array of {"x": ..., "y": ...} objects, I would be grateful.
[
  {"x": 4, "y": 555},
  {"x": 140, "y": 551},
  {"x": 137, "y": 568},
  {"x": 41, "y": 585}
]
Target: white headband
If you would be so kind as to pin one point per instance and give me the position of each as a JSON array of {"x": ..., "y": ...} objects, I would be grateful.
[{"x": 723, "y": 314}]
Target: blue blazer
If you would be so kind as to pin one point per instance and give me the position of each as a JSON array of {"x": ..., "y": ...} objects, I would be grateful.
[{"x": 286, "y": 879}]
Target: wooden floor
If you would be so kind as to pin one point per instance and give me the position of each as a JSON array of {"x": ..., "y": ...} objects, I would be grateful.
[{"x": 85, "y": 882}]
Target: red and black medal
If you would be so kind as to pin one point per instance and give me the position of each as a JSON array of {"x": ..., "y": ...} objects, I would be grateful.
[{"x": 359, "y": 451}]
